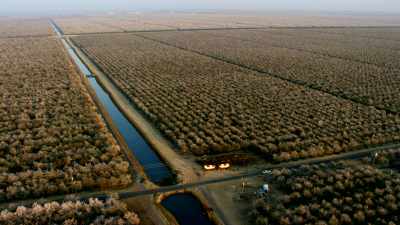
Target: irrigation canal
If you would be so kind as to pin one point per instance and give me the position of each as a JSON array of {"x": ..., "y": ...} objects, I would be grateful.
[
  {"x": 186, "y": 208},
  {"x": 186, "y": 215},
  {"x": 155, "y": 169}
]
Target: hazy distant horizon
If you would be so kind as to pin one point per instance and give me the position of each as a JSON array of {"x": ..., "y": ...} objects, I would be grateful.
[{"x": 10, "y": 7}]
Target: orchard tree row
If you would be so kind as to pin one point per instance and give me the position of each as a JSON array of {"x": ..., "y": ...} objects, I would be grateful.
[
  {"x": 52, "y": 138},
  {"x": 378, "y": 33},
  {"x": 209, "y": 107},
  {"x": 94, "y": 212},
  {"x": 24, "y": 27},
  {"x": 320, "y": 36},
  {"x": 353, "y": 48},
  {"x": 331, "y": 194},
  {"x": 187, "y": 20},
  {"x": 86, "y": 24},
  {"x": 360, "y": 82}
]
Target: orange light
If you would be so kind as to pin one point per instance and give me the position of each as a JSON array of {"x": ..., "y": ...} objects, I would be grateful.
[
  {"x": 209, "y": 167},
  {"x": 224, "y": 166}
]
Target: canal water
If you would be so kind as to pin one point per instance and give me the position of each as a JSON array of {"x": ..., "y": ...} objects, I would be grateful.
[
  {"x": 155, "y": 169},
  {"x": 186, "y": 209}
]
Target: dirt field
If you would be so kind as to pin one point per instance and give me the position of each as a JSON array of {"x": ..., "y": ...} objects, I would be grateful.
[{"x": 227, "y": 197}]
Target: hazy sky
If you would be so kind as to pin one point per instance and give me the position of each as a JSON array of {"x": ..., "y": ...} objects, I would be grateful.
[{"x": 392, "y": 6}]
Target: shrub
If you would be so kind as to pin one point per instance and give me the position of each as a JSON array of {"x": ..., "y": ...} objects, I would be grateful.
[{"x": 110, "y": 212}]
